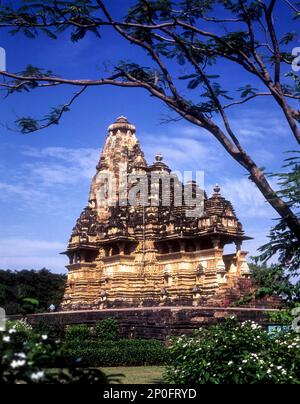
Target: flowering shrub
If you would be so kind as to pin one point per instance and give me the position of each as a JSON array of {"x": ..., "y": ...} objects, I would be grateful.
[
  {"x": 28, "y": 357},
  {"x": 233, "y": 353}
]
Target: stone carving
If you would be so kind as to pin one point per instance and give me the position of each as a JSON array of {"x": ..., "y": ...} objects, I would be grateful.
[{"x": 122, "y": 255}]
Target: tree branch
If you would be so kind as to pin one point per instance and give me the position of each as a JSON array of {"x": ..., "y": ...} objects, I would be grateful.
[
  {"x": 143, "y": 45},
  {"x": 59, "y": 113},
  {"x": 243, "y": 101}
]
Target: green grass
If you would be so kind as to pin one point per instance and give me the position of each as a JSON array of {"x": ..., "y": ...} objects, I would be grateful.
[{"x": 137, "y": 374}]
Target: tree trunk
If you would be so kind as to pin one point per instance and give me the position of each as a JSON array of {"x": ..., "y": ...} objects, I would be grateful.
[
  {"x": 277, "y": 203},
  {"x": 258, "y": 177}
]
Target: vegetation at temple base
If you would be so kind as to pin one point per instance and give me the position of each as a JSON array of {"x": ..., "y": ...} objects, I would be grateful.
[
  {"x": 32, "y": 356},
  {"x": 275, "y": 280},
  {"x": 97, "y": 347},
  {"x": 107, "y": 330},
  {"x": 28, "y": 357},
  {"x": 126, "y": 352},
  {"x": 234, "y": 353},
  {"x": 30, "y": 291},
  {"x": 227, "y": 353},
  {"x": 184, "y": 42}
]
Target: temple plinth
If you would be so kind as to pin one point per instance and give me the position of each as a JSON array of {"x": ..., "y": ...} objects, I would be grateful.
[{"x": 151, "y": 253}]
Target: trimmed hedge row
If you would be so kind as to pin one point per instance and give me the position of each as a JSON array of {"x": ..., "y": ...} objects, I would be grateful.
[{"x": 116, "y": 353}]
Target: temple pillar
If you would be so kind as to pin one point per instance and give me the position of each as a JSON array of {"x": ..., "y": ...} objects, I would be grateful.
[
  {"x": 238, "y": 245},
  {"x": 182, "y": 245},
  {"x": 197, "y": 245},
  {"x": 242, "y": 265},
  {"x": 216, "y": 242},
  {"x": 171, "y": 246},
  {"x": 71, "y": 259},
  {"x": 121, "y": 248}
]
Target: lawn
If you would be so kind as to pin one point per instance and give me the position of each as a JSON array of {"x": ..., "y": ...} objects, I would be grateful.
[{"x": 137, "y": 374}]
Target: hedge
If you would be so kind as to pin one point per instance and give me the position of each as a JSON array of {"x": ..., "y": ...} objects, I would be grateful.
[{"x": 124, "y": 352}]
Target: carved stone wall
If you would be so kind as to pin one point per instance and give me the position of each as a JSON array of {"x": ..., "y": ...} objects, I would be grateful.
[
  {"x": 138, "y": 256},
  {"x": 156, "y": 322}
]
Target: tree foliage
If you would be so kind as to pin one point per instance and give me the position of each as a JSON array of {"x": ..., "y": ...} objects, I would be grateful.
[
  {"x": 26, "y": 291},
  {"x": 274, "y": 280},
  {"x": 282, "y": 241}
]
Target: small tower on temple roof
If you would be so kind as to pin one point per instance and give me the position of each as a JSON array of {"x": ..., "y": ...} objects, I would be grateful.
[{"x": 158, "y": 165}]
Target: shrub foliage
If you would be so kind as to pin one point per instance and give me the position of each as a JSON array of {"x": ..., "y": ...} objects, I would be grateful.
[
  {"x": 28, "y": 357},
  {"x": 233, "y": 353},
  {"x": 125, "y": 352},
  {"x": 107, "y": 329}
]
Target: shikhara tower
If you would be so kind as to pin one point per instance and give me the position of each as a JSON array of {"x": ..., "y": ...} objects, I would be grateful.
[{"x": 123, "y": 256}]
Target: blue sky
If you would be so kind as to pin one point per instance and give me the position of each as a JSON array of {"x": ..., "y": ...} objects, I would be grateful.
[{"x": 45, "y": 176}]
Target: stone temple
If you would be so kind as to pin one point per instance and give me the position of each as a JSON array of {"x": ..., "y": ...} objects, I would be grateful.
[{"x": 151, "y": 254}]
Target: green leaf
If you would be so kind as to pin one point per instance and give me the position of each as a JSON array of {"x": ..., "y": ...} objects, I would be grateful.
[
  {"x": 29, "y": 33},
  {"x": 30, "y": 300},
  {"x": 49, "y": 33},
  {"x": 194, "y": 83},
  {"x": 180, "y": 59},
  {"x": 188, "y": 76}
]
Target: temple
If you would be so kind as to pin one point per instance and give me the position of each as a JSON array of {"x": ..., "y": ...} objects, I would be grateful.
[{"x": 151, "y": 253}]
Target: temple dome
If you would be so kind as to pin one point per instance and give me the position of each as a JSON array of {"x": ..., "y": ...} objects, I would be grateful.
[
  {"x": 158, "y": 165},
  {"x": 122, "y": 124},
  {"x": 218, "y": 205}
]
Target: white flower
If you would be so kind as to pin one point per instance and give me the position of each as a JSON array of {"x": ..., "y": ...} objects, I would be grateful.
[
  {"x": 6, "y": 338},
  {"x": 37, "y": 375},
  {"x": 44, "y": 337},
  {"x": 230, "y": 363},
  {"x": 269, "y": 371},
  {"x": 12, "y": 331},
  {"x": 17, "y": 363},
  {"x": 279, "y": 367},
  {"x": 21, "y": 355}
]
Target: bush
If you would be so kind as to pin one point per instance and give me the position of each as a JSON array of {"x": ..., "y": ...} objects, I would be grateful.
[
  {"x": 35, "y": 359},
  {"x": 80, "y": 332},
  {"x": 55, "y": 330},
  {"x": 233, "y": 353},
  {"x": 122, "y": 353},
  {"x": 107, "y": 330}
]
